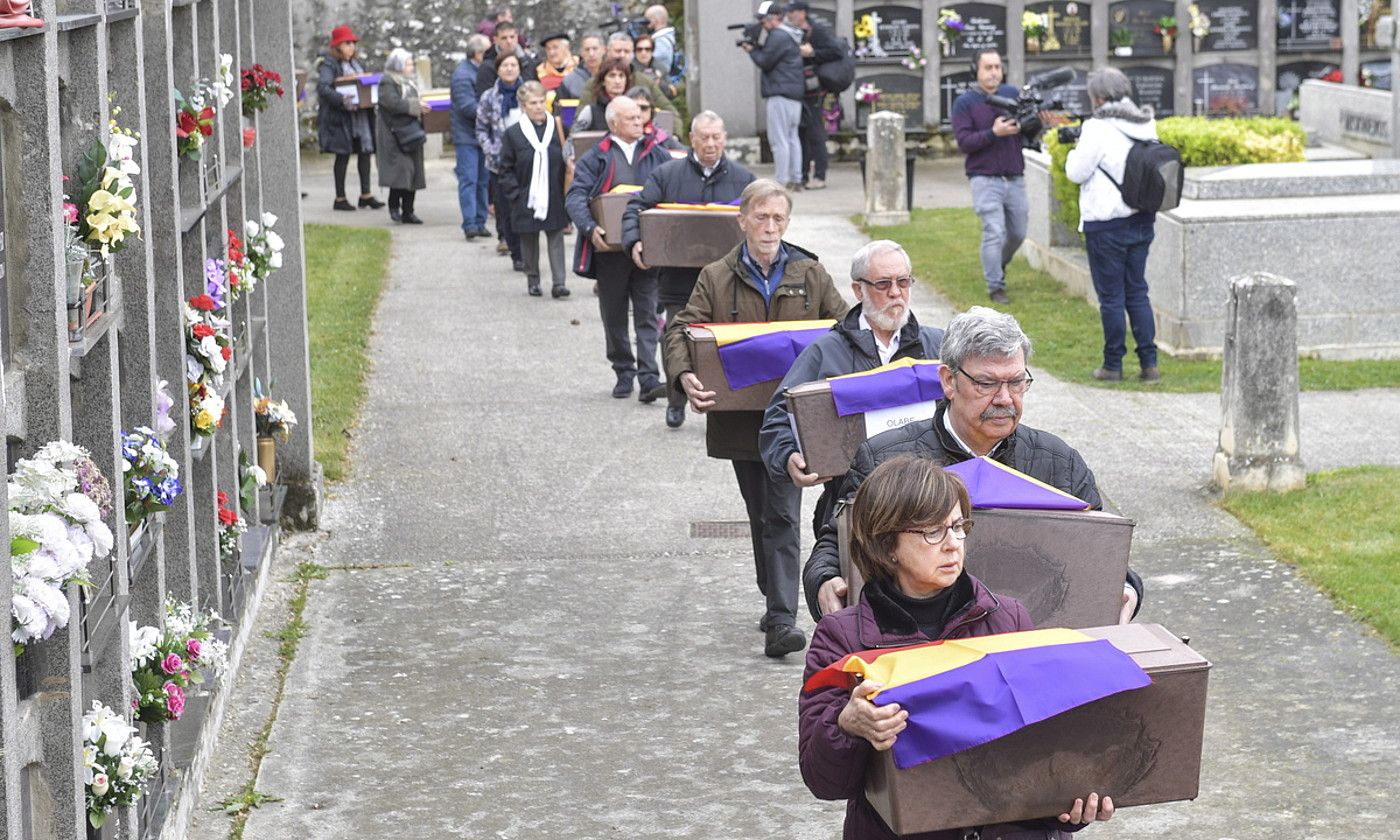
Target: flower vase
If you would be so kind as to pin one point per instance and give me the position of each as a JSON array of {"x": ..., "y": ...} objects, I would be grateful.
[
  {"x": 1196, "y": 43},
  {"x": 1032, "y": 46},
  {"x": 267, "y": 456},
  {"x": 1123, "y": 52},
  {"x": 250, "y": 132},
  {"x": 91, "y": 312},
  {"x": 1167, "y": 43},
  {"x": 947, "y": 49},
  {"x": 76, "y": 269}
]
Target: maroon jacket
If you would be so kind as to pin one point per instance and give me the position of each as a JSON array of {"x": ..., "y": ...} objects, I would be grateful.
[{"x": 833, "y": 763}]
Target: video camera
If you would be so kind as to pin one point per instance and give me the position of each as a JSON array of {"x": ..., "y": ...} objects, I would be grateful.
[
  {"x": 1026, "y": 108},
  {"x": 750, "y": 32},
  {"x": 634, "y": 27}
]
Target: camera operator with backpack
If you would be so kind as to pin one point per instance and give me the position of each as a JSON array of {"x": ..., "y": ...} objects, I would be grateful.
[
  {"x": 819, "y": 46},
  {"x": 1108, "y": 163}
]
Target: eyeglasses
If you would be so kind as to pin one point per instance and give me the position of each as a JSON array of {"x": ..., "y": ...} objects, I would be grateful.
[
  {"x": 645, "y": 109},
  {"x": 985, "y": 387},
  {"x": 643, "y": 49},
  {"x": 933, "y": 536},
  {"x": 884, "y": 285}
]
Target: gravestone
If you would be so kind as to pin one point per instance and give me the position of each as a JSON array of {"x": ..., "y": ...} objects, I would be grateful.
[
  {"x": 885, "y": 198},
  {"x": 1229, "y": 89},
  {"x": 1069, "y": 29},
  {"x": 1291, "y": 75},
  {"x": 950, "y": 87},
  {"x": 984, "y": 28},
  {"x": 1234, "y": 25},
  {"x": 1153, "y": 86},
  {"x": 1305, "y": 25},
  {"x": 1139, "y": 17},
  {"x": 897, "y": 29},
  {"x": 901, "y": 92}
]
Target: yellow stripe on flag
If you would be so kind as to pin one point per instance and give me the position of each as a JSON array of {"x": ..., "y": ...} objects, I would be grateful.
[
  {"x": 626, "y": 188},
  {"x": 730, "y": 333},
  {"x": 720, "y": 208},
  {"x": 902, "y": 363},
  {"x": 906, "y": 666}
]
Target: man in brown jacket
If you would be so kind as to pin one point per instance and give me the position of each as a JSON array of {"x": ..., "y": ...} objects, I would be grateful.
[{"x": 763, "y": 279}]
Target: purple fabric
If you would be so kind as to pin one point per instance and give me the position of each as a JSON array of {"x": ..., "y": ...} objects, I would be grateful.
[
  {"x": 764, "y": 357},
  {"x": 371, "y": 78},
  {"x": 439, "y": 104},
  {"x": 887, "y": 389},
  {"x": 992, "y": 486}
]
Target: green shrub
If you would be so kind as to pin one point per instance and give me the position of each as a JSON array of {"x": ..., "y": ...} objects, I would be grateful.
[{"x": 1202, "y": 141}]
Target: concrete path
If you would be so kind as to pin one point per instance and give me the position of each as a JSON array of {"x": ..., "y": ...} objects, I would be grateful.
[{"x": 533, "y": 645}]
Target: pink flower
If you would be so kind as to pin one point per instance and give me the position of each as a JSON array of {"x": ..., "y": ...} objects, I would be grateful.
[
  {"x": 172, "y": 663},
  {"x": 193, "y": 648},
  {"x": 174, "y": 700},
  {"x": 70, "y": 212}
]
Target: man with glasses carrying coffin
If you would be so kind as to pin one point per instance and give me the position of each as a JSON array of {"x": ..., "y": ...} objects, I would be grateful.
[{"x": 985, "y": 379}]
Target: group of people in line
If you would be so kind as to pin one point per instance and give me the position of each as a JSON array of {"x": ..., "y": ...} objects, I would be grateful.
[{"x": 909, "y": 517}]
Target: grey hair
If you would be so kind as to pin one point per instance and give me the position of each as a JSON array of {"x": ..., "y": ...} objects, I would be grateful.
[
  {"x": 477, "y": 44},
  {"x": 529, "y": 89},
  {"x": 762, "y": 190},
  {"x": 1108, "y": 84},
  {"x": 706, "y": 117},
  {"x": 619, "y": 36},
  {"x": 983, "y": 332},
  {"x": 591, "y": 36},
  {"x": 613, "y": 107},
  {"x": 860, "y": 263},
  {"x": 398, "y": 60}
]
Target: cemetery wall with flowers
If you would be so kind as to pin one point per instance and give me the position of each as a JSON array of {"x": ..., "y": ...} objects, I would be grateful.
[{"x": 156, "y": 393}]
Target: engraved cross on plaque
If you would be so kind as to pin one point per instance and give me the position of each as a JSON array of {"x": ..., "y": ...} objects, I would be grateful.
[
  {"x": 1294, "y": 10},
  {"x": 1051, "y": 42}
]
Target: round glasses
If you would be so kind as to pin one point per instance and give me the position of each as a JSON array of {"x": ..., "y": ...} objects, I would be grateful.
[
  {"x": 987, "y": 387},
  {"x": 884, "y": 285},
  {"x": 933, "y": 536}
]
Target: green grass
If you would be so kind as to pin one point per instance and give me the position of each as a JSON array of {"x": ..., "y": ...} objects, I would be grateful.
[
  {"x": 1341, "y": 531},
  {"x": 1065, "y": 328},
  {"x": 345, "y": 272}
]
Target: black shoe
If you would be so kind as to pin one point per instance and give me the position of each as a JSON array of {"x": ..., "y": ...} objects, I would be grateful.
[
  {"x": 763, "y": 623},
  {"x": 533, "y": 284},
  {"x": 675, "y": 416},
  {"x": 622, "y": 389},
  {"x": 652, "y": 394},
  {"x": 999, "y": 296},
  {"x": 371, "y": 202},
  {"x": 1105, "y": 375},
  {"x": 480, "y": 233},
  {"x": 470, "y": 234},
  {"x": 410, "y": 219},
  {"x": 342, "y": 204},
  {"x": 395, "y": 214},
  {"x": 518, "y": 265},
  {"x": 781, "y": 639},
  {"x": 559, "y": 291}
]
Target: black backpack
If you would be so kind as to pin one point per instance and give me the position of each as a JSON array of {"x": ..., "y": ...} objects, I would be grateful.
[
  {"x": 836, "y": 76},
  {"x": 1152, "y": 176}
]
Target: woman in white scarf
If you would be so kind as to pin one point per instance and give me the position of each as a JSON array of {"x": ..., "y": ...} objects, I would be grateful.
[{"x": 532, "y": 181}]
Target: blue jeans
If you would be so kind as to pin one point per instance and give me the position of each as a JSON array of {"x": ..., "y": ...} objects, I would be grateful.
[
  {"x": 1118, "y": 264},
  {"x": 471, "y": 186},
  {"x": 1000, "y": 202}
]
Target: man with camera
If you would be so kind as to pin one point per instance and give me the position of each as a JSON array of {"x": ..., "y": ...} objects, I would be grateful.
[
  {"x": 777, "y": 52},
  {"x": 992, "y": 142},
  {"x": 819, "y": 46}
]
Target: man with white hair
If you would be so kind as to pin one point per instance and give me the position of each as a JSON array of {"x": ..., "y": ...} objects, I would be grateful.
[
  {"x": 879, "y": 329},
  {"x": 663, "y": 38}
]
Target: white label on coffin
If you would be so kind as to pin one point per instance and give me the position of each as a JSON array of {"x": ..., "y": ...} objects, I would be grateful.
[{"x": 884, "y": 419}]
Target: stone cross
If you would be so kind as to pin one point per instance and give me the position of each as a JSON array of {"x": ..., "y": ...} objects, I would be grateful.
[
  {"x": 885, "y": 199},
  {"x": 1258, "y": 445}
]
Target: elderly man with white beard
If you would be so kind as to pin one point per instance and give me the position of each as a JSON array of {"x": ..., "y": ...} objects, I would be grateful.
[{"x": 879, "y": 329}]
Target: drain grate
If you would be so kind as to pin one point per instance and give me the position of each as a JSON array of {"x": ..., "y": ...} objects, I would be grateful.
[{"x": 720, "y": 530}]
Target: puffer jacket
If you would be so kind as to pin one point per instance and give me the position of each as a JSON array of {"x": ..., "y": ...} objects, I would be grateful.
[
  {"x": 1096, "y": 162},
  {"x": 1038, "y": 454},
  {"x": 724, "y": 293},
  {"x": 833, "y": 763},
  {"x": 780, "y": 59}
]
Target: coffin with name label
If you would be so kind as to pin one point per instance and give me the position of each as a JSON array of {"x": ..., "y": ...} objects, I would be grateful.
[
  {"x": 689, "y": 235},
  {"x": 1066, "y": 565},
  {"x": 743, "y": 363}
]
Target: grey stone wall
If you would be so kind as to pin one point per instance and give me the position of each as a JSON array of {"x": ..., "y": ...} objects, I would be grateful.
[{"x": 59, "y": 85}]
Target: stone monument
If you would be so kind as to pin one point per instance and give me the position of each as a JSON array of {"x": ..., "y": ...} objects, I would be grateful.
[{"x": 885, "y": 200}]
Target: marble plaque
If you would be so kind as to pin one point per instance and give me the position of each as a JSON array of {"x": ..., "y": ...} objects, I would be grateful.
[
  {"x": 1309, "y": 25},
  {"x": 894, "y": 30},
  {"x": 823, "y": 12},
  {"x": 1138, "y": 17},
  {"x": 1225, "y": 89},
  {"x": 1072, "y": 97},
  {"x": 1291, "y": 75},
  {"x": 1069, "y": 29},
  {"x": 950, "y": 87},
  {"x": 1153, "y": 86},
  {"x": 1234, "y": 25},
  {"x": 900, "y": 92},
  {"x": 984, "y": 28}
]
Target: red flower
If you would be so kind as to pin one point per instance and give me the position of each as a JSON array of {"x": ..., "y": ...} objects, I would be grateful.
[
  {"x": 203, "y": 303},
  {"x": 222, "y": 497},
  {"x": 185, "y": 124},
  {"x": 227, "y": 518},
  {"x": 206, "y": 121},
  {"x": 228, "y": 352},
  {"x": 202, "y": 331}
]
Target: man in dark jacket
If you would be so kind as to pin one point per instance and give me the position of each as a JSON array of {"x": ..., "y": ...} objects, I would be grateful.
[
  {"x": 507, "y": 40},
  {"x": 626, "y": 156},
  {"x": 621, "y": 47},
  {"x": 763, "y": 279},
  {"x": 590, "y": 57},
  {"x": 472, "y": 177},
  {"x": 878, "y": 330},
  {"x": 819, "y": 46},
  {"x": 984, "y": 378},
  {"x": 780, "y": 58},
  {"x": 705, "y": 176}
]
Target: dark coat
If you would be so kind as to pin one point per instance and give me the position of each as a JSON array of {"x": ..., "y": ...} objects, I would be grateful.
[
  {"x": 682, "y": 181},
  {"x": 334, "y": 122},
  {"x": 517, "y": 161},
  {"x": 594, "y": 174},
  {"x": 780, "y": 59},
  {"x": 846, "y": 349},
  {"x": 1038, "y": 454},
  {"x": 833, "y": 763},
  {"x": 464, "y": 102},
  {"x": 725, "y": 293},
  {"x": 486, "y": 77},
  {"x": 659, "y": 99},
  {"x": 398, "y": 106}
]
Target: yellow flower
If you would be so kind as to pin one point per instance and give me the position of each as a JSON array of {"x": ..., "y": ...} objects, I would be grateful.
[
  {"x": 203, "y": 419},
  {"x": 864, "y": 27}
]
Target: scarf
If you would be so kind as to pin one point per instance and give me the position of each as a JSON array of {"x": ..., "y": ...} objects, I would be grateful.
[
  {"x": 539, "y": 166},
  {"x": 508, "y": 100}
]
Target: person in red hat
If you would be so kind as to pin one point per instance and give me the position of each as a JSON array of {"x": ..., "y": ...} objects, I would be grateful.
[{"x": 346, "y": 125}]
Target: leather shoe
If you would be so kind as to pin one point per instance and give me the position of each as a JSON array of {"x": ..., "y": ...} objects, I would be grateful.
[
  {"x": 395, "y": 214},
  {"x": 622, "y": 389},
  {"x": 480, "y": 233},
  {"x": 559, "y": 292},
  {"x": 501, "y": 247},
  {"x": 1104, "y": 375},
  {"x": 781, "y": 639},
  {"x": 652, "y": 394},
  {"x": 371, "y": 202},
  {"x": 1150, "y": 374},
  {"x": 675, "y": 417},
  {"x": 518, "y": 265},
  {"x": 410, "y": 219},
  {"x": 342, "y": 204},
  {"x": 999, "y": 296},
  {"x": 533, "y": 284}
]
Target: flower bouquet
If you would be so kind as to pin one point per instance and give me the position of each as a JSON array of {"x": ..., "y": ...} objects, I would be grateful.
[
  {"x": 263, "y": 246},
  {"x": 868, "y": 94},
  {"x": 58, "y": 503},
  {"x": 231, "y": 527},
  {"x": 950, "y": 28},
  {"x": 915, "y": 59},
  {"x": 274, "y": 417},
  {"x": 259, "y": 85},
  {"x": 106, "y": 198},
  {"x": 1035, "y": 27},
  {"x": 1166, "y": 28},
  {"x": 241, "y": 277},
  {"x": 151, "y": 476},
  {"x": 117, "y": 764},
  {"x": 167, "y": 662},
  {"x": 207, "y": 354},
  {"x": 194, "y": 119},
  {"x": 1200, "y": 24}
]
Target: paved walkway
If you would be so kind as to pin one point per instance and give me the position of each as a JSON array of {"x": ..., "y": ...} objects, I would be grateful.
[{"x": 536, "y": 647}]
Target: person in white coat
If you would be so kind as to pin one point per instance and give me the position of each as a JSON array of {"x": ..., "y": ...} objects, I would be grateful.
[{"x": 1116, "y": 236}]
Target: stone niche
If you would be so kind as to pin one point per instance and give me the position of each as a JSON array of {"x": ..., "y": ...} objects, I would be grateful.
[
  {"x": 1139, "y": 17},
  {"x": 1234, "y": 25},
  {"x": 1152, "y": 85},
  {"x": 1292, "y": 75},
  {"x": 984, "y": 28},
  {"x": 902, "y": 91},
  {"x": 895, "y": 30},
  {"x": 1305, "y": 25},
  {"x": 1069, "y": 30},
  {"x": 950, "y": 87},
  {"x": 1225, "y": 89}
]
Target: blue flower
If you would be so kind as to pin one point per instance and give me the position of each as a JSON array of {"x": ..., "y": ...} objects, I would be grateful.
[
  {"x": 167, "y": 490},
  {"x": 142, "y": 487}
]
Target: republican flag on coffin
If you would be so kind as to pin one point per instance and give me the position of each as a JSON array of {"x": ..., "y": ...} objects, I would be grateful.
[
  {"x": 995, "y": 485},
  {"x": 905, "y": 382},
  {"x": 965, "y": 692},
  {"x": 751, "y": 353}
]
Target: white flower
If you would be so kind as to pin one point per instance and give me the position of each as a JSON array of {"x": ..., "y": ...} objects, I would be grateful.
[
  {"x": 269, "y": 219},
  {"x": 259, "y": 475},
  {"x": 143, "y": 644},
  {"x": 209, "y": 347},
  {"x": 124, "y": 768},
  {"x": 274, "y": 241},
  {"x": 80, "y": 507},
  {"x": 30, "y": 618},
  {"x": 251, "y": 228},
  {"x": 101, "y": 537},
  {"x": 82, "y": 544},
  {"x": 194, "y": 370},
  {"x": 115, "y": 733},
  {"x": 99, "y": 784}
]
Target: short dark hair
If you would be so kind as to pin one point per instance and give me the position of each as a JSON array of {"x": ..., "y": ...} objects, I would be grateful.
[
  {"x": 905, "y": 492},
  {"x": 977, "y": 56},
  {"x": 505, "y": 26}
]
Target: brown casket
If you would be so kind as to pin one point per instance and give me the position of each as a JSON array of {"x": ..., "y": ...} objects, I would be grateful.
[
  {"x": 1067, "y": 566},
  {"x": 1139, "y": 747},
  {"x": 688, "y": 238},
  {"x": 704, "y": 362},
  {"x": 439, "y": 119},
  {"x": 585, "y": 140},
  {"x": 367, "y": 88},
  {"x": 827, "y": 440},
  {"x": 607, "y": 211}
]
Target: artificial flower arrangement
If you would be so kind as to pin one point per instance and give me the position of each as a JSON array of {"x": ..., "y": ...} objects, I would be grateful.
[
  {"x": 170, "y": 660},
  {"x": 950, "y": 28},
  {"x": 1035, "y": 26},
  {"x": 1166, "y": 28},
  {"x": 207, "y": 354},
  {"x": 194, "y": 119},
  {"x": 58, "y": 505},
  {"x": 915, "y": 59},
  {"x": 1200, "y": 24},
  {"x": 259, "y": 85},
  {"x": 117, "y": 764},
  {"x": 868, "y": 93},
  {"x": 165, "y": 403},
  {"x": 104, "y": 206},
  {"x": 274, "y": 417},
  {"x": 151, "y": 476},
  {"x": 252, "y": 477},
  {"x": 864, "y": 27},
  {"x": 231, "y": 527},
  {"x": 242, "y": 279},
  {"x": 263, "y": 246}
]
